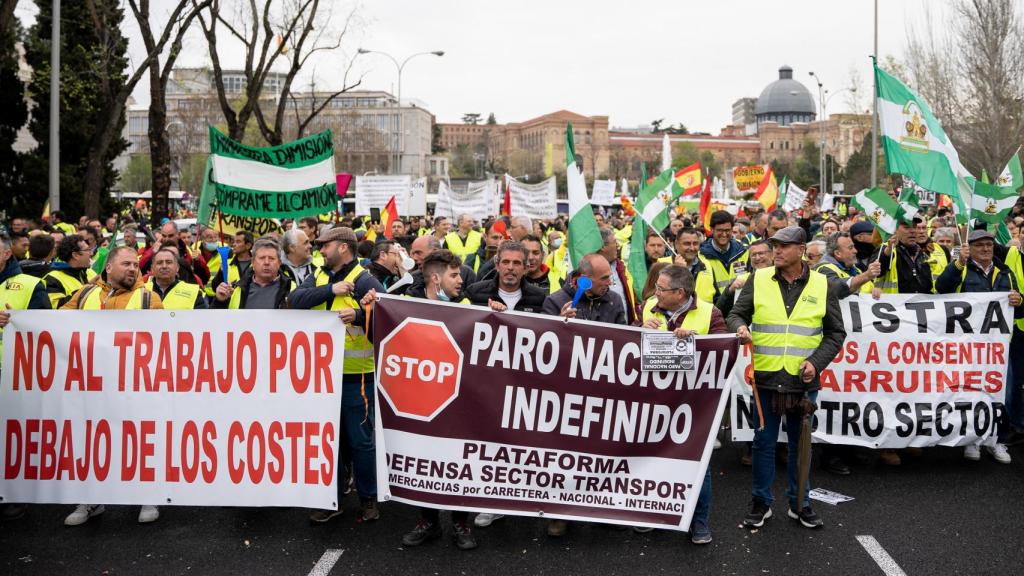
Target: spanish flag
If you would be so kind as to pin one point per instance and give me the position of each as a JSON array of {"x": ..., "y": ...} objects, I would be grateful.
[
  {"x": 388, "y": 215},
  {"x": 690, "y": 179},
  {"x": 768, "y": 192}
]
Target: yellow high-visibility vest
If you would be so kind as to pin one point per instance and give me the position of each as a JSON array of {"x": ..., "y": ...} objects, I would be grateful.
[
  {"x": 781, "y": 342},
  {"x": 697, "y": 320},
  {"x": 358, "y": 348},
  {"x": 181, "y": 296}
]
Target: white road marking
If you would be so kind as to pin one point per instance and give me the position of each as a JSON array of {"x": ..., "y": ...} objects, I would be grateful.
[
  {"x": 880, "y": 556},
  {"x": 326, "y": 562}
]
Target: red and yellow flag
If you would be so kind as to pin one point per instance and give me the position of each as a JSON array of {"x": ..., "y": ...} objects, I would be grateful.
[
  {"x": 768, "y": 192},
  {"x": 705, "y": 207},
  {"x": 388, "y": 215},
  {"x": 690, "y": 179}
]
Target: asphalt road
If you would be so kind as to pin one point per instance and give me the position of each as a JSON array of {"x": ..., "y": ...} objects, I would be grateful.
[{"x": 936, "y": 514}]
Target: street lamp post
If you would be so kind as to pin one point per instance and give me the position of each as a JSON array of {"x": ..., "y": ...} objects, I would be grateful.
[
  {"x": 823, "y": 109},
  {"x": 400, "y": 66}
]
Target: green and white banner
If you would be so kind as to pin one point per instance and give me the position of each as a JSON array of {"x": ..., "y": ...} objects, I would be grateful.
[{"x": 287, "y": 181}]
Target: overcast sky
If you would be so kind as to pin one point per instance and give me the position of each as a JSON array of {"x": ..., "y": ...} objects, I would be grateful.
[{"x": 633, "y": 61}]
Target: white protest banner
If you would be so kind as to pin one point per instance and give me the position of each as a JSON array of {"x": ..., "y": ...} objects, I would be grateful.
[
  {"x": 924, "y": 197},
  {"x": 477, "y": 200},
  {"x": 915, "y": 370},
  {"x": 536, "y": 201},
  {"x": 794, "y": 197},
  {"x": 417, "y": 204},
  {"x": 375, "y": 191},
  {"x": 604, "y": 193},
  {"x": 183, "y": 407}
]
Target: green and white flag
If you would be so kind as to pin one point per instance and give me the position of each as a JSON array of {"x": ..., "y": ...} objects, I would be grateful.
[
  {"x": 991, "y": 203},
  {"x": 783, "y": 191},
  {"x": 880, "y": 210},
  {"x": 1011, "y": 176},
  {"x": 584, "y": 236},
  {"x": 916, "y": 145},
  {"x": 653, "y": 201},
  {"x": 910, "y": 205},
  {"x": 287, "y": 181}
]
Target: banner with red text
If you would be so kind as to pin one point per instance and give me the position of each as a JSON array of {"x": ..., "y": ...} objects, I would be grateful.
[
  {"x": 538, "y": 416},
  {"x": 915, "y": 370},
  {"x": 218, "y": 408}
]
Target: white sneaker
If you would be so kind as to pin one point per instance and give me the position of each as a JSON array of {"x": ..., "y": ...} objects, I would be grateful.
[
  {"x": 148, "y": 514},
  {"x": 718, "y": 443},
  {"x": 82, "y": 514},
  {"x": 999, "y": 453},
  {"x": 484, "y": 519},
  {"x": 972, "y": 453}
]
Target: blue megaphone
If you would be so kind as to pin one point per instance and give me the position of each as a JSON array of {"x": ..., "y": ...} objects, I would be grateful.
[
  {"x": 582, "y": 285},
  {"x": 224, "y": 252}
]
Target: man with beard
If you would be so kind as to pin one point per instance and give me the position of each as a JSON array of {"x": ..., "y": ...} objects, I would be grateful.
[
  {"x": 119, "y": 288},
  {"x": 508, "y": 290}
]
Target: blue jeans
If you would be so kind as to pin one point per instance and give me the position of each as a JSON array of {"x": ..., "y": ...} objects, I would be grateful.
[
  {"x": 764, "y": 451},
  {"x": 357, "y": 422},
  {"x": 702, "y": 512}
]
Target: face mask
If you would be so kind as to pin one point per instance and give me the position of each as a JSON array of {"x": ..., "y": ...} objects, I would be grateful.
[
  {"x": 442, "y": 296},
  {"x": 210, "y": 246},
  {"x": 556, "y": 243}
]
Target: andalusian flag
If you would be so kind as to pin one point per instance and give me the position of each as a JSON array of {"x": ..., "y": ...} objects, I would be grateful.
[
  {"x": 992, "y": 203},
  {"x": 768, "y": 192},
  {"x": 880, "y": 209},
  {"x": 388, "y": 215},
  {"x": 916, "y": 145},
  {"x": 584, "y": 236},
  {"x": 689, "y": 179},
  {"x": 1011, "y": 177},
  {"x": 783, "y": 192},
  {"x": 653, "y": 201},
  {"x": 909, "y": 203}
]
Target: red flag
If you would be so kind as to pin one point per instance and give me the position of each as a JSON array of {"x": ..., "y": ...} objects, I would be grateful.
[
  {"x": 705, "y": 206},
  {"x": 506, "y": 206},
  {"x": 343, "y": 181},
  {"x": 387, "y": 216}
]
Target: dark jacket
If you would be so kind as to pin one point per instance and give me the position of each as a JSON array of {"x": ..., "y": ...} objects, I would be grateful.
[
  {"x": 842, "y": 285},
  {"x": 532, "y": 300},
  {"x": 418, "y": 285},
  {"x": 607, "y": 308},
  {"x": 280, "y": 299},
  {"x": 39, "y": 300},
  {"x": 37, "y": 268},
  {"x": 833, "y": 332},
  {"x": 999, "y": 279},
  {"x": 735, "y": 251},
  {"x": 382, "y": 274},
  {"x": 308, "y": 295},
  {"x": 915, "y": 276}
]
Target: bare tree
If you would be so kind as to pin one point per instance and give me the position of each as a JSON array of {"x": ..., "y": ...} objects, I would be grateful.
[
  {"x": 7, "y": 13},
  {"x": 116, "y": 98},
  {"x": 970, "y": 70},
  {"x": 293, "y": 33},
  {"x": 159, "y": 147}
]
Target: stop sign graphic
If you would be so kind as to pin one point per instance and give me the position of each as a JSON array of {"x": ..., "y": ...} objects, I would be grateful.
[{"x": 420, "y": 368}]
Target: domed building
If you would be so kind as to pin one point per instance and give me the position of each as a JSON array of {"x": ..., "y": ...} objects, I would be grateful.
[{"x": 785, "y": 101}]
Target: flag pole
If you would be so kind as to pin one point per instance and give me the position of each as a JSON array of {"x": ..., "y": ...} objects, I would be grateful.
[{"x": 874, "y": 107}]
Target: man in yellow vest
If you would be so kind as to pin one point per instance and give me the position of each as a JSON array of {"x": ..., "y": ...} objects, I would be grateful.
[
  {"x": 59, "y": 224},
  {"x": 262, "y": 286},
  {"x": 687, "y": 244},
  {"x": 119, "y": 288},
  {"x": 164, "y": 281},
  {"x": 344, "y": 287},
  {"x": 465, "y": 242},
  {"x": 905, "y": 266},
  {"x": 677, "y": 309},
  {"x": 936, "y": 254},
  {"x": 71, "y": 272},
  {"x": 793, "y": 319},
  {"x": 1015, "y": 377},
  {"x": 722, "y": 253}
]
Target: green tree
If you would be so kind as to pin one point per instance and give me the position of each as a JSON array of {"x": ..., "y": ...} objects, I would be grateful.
[
  {"x": 856, "y": 176},
  {"x": 192, "y": 172},
  {"x": 435, "y": 140},
  {"x": 93, "y": 63},
  {"x": 491, "y": 120},
  {"x": 686, "y": 154},
  {"x": 137, "y": 176},
  {"x": 471, "y": 118},
  {"x": 14, "y": 196}
]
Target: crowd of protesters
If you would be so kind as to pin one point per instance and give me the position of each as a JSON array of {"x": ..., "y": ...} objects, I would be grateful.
[{"x": 698, "y": 281}]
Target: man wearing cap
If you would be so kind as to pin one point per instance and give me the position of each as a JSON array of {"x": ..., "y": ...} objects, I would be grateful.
[
  {"x": 905, "y": 266},
  {"x": 976, "y": 271},
  {"x": 343, "y": 286},
  {"x": 862, "y": 234},
  {"x": 792, "y": 316}
]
